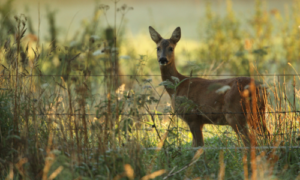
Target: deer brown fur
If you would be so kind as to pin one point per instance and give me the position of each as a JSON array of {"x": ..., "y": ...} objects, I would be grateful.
[{"x": 225, "y": 107}]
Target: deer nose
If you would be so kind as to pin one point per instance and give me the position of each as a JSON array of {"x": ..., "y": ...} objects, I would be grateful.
[{"x": 163, "y": 61}]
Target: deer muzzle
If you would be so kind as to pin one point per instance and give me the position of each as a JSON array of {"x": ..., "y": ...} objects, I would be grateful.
[{"x": 163, "y": 61}]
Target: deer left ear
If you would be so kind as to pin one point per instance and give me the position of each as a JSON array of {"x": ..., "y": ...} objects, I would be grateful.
[
  {"x": 176, "y": 35},
  {"x": 154, "y": 35}
]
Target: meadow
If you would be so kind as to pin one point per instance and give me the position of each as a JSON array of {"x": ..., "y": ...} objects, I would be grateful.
[{"x": 92, "y": 106}]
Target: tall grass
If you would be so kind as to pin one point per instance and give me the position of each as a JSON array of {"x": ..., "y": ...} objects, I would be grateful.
[{"x": 66, "y": 114}]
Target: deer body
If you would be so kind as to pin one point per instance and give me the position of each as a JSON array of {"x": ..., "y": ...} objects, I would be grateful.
[{"x": 222, "y": 107}]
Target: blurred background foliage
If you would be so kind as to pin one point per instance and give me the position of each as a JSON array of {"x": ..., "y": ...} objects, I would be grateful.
[{"x": 266, "y": 37}]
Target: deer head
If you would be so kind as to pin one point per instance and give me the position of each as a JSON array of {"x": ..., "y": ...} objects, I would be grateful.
[{"x": 165, "y": 47}]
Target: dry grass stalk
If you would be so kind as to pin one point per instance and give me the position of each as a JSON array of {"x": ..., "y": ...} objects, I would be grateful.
[
  {"x": 245, "y": 167},
  {"x": 11, "y": 172},
  {"x": 159, "y": 146},
  {"x": 262, "y": 165},
  {"x": 55, "y": 173},
  {"x": 253, "y": 160},
  {"x": 20, "y": 168},
  {"x": 154, "y": 174},
  {"x": 222, "y": 166},
  {"x": 49, "y": 159},
  {"x": 119, "y": 176},
  {"x": 194, "y": 160},
  {"x": 129, "y": 171},
  {"x": 254, "y": 105}
]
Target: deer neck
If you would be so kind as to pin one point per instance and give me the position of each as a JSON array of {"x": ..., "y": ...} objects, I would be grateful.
[{"x": 167, "y": 72}]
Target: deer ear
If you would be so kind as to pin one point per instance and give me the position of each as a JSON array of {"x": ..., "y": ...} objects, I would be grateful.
[
  {"x": 176, "y": 35},
  {"x": 154, "y": 35}
]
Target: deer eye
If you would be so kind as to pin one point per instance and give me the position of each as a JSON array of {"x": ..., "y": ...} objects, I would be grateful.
[
  {"x": 171, "y": 49},
  {"x": 158, "y": 48}
]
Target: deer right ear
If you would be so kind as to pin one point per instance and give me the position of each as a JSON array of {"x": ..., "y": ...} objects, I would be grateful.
[
  {"x": 176, "y": 35},
  {"x": 154, "y": 35}
]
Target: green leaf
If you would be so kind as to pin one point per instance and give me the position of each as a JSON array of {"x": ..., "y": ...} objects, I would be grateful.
[
  {"x": 147, "y": 80},
  {"x": 181, "y": 82},
  {"x": 175, "y": 79},
  {"x": 149, "y": 123},
  {"x": 167, "y": 84},
  {"x": 13, "y": 136}
]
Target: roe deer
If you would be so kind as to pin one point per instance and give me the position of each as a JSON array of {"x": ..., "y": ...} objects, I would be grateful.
[{"x": 225, "y": 106}]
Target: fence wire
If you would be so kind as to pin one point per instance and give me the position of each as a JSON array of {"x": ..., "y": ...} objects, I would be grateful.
[
  {"x": 227, "y": 148},
  {"x": 164, "y": 129},
  {"x": 200, "y": 147},
  {"x": 168, "y": 114},
  {"x": 136, "y": 75}
]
